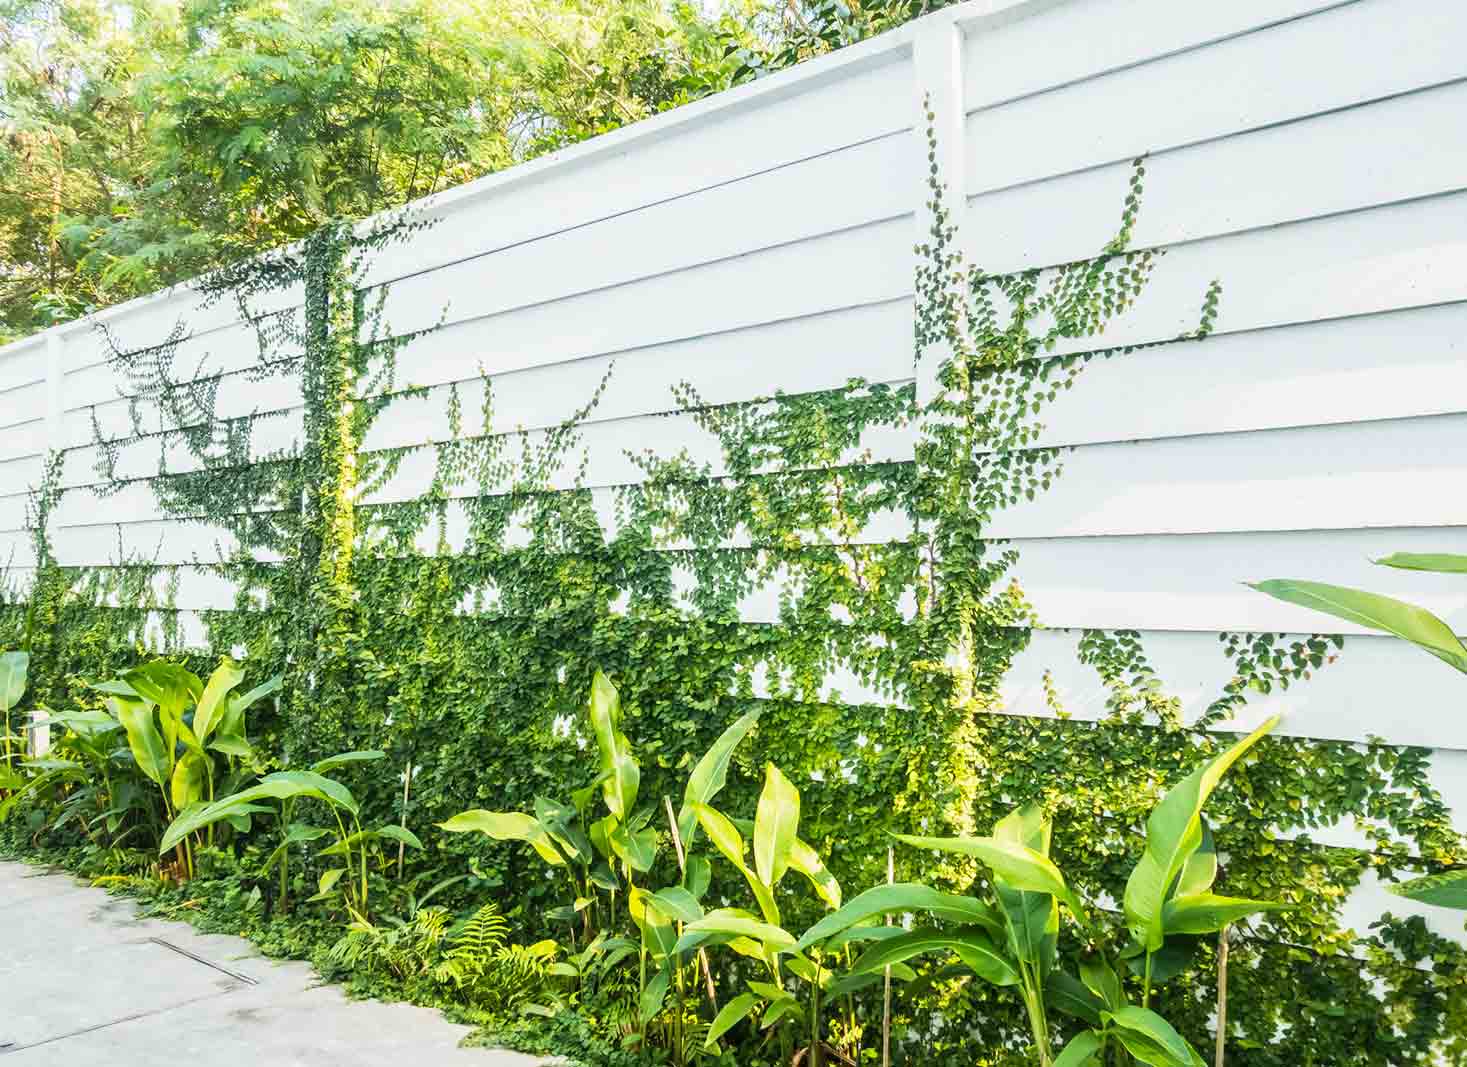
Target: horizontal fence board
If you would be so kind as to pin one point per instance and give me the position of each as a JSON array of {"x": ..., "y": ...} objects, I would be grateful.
[
  {"x": 1389, "y": 366},
  {"x": 871, "y": 342},
  {"x": 147, "y": 322},
  {"x": 1339, "y": 57},
  {"x": 1383, "y": 259},
  {"x": 233, "y": 351},
  {"x": 796, "y": 355},
  {"x": 21, "y": 364},
  {"x": 1317, "y": 166},
  {"x": 863, "y": 265},
  {"x": 860, "y": 185},
  {"x": 1357, "y": 696},
  {"x": 1195, "y": 582},
  {"x": 600, "y": 455},
  {"x": 1082, "y": 40},
  {"x": 28, "y": 437},
  {"x": 863, "y": 101},
  {"x": 1390, "y": 473},
  {"x": 109, "y": 541}
]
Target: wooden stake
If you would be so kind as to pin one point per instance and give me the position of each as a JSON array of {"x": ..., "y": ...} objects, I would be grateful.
[
  {"x": 682, "y": 865},
  {"x": 407, "y": 785},
  {"x": 886, "y": 1001}
]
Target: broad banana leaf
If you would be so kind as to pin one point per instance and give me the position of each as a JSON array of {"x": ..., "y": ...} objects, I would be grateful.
[
  {"x": 390, "y": 831},
  {"x": 507, "y": 826},
  {"x": 636, "y": 848},
  {"x": 659, "y": 935},
  {"x": 1447, "y": 890},
  {"x": 1173, "y": 834},
  {"x": 1101, "y": 980},
  {"x": 1019, "y": 866},
  {"x": 232, "y": 723},
  {"x": 677, "y": 904},
  {"x": 1200, "y": 870},
  {"x": 1207, "y": 913},
  {"x": 776, "y": 826},
  {"x": 651, "y": 1000},
  {"x": 1437, "y": 562},
  {"x": 729, "y": 1016},
  {"x": 190, "y": 774},
  {"x": 903, "y": 897},
  {"x": 722, "y": 832},
  {"x": 733, "y": 923},
  {"x": 622, "y": 774},
  {"x": 143, "y": 738},
  {"x": 972, "y": 945},
  {"x": 173, "y": 689},
  {"x": 1082, "y": 1049},
  {"x": 727, "y": 839},
  {"x": 1416, "y": 625},
  {"x": 342, "y": 758},
  {"x": 807, "y": 862},
  {"x": 1066, "y": 993},
  {"x": 1033, "y": 917},
  {"x": 1151, "y": 1039},
  {"x": 13, "y": 669},
  {"x": 283, "y": 785},
  {"x": 709, "y": 776},
  {"x": 560, "y": 821},
  {"x": 214, "y": 700}
]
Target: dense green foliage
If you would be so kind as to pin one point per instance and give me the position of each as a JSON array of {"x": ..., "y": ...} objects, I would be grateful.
[
  {"x": 143, "y": 143},
  {"x": 468, "y": 661}
]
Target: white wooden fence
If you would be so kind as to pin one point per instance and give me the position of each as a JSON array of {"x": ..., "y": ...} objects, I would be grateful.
[{"x": 1311, "y": 155}]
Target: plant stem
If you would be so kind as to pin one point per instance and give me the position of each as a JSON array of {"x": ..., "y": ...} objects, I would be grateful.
[
  {"x": 1222, "y": 997},
  {"x": 1034, "y": 1003},
  {"x": 1146, "y": 984},
  {"x": 815, "y": 1057}
]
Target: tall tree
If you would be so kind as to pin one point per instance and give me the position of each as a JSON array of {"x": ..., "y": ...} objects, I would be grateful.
[{"x": 143, "y": 142}]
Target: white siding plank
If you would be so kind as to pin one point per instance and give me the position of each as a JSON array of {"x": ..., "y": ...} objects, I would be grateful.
[
  {"x": 1352, "y": 699},
  {"x": 1393, "y": 473},
  {"x": 1196, "y": 582},
  {"x": 1383, "y": 259},
  {"x": 1343, "y": 56},
  {"x": 1081, "y": 40},
  {"x": 1417, "y": 146},
  {"x": 1395, "y": 365},
  {"x": 864, "y": 102}
]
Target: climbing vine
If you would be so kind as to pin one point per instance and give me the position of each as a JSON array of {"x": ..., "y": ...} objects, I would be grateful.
[{"x": 457, "y": 629}]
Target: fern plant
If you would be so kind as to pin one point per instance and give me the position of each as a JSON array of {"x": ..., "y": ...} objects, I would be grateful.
[
  {"x": 488, "y": 971},
  {"x": 405, "y": 949}
]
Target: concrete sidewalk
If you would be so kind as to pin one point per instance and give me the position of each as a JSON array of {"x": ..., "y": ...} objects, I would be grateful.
[{"x": 84, "y": 981}]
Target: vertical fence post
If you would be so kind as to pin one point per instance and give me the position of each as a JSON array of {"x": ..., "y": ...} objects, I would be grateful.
[
  {"x": 53, "y": 442},
  {"x": 55, "y": 372},
  {"x": 937, "y": 63}
]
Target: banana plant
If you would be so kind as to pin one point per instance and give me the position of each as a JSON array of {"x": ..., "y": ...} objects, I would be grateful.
[
  {"x": 1411, "y": 623},
  {"x": 777, "y": 849},
  {"x": 661, "y": 916},
  {"x": 13, "y": 669},
  {"x": 82, "y": 761},
  {"x": 178, "y": 725},
  {"x": 1012, "y": 942},
  {"x": 593, "y": 855},
  {"x": 353, "y": 843}
]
